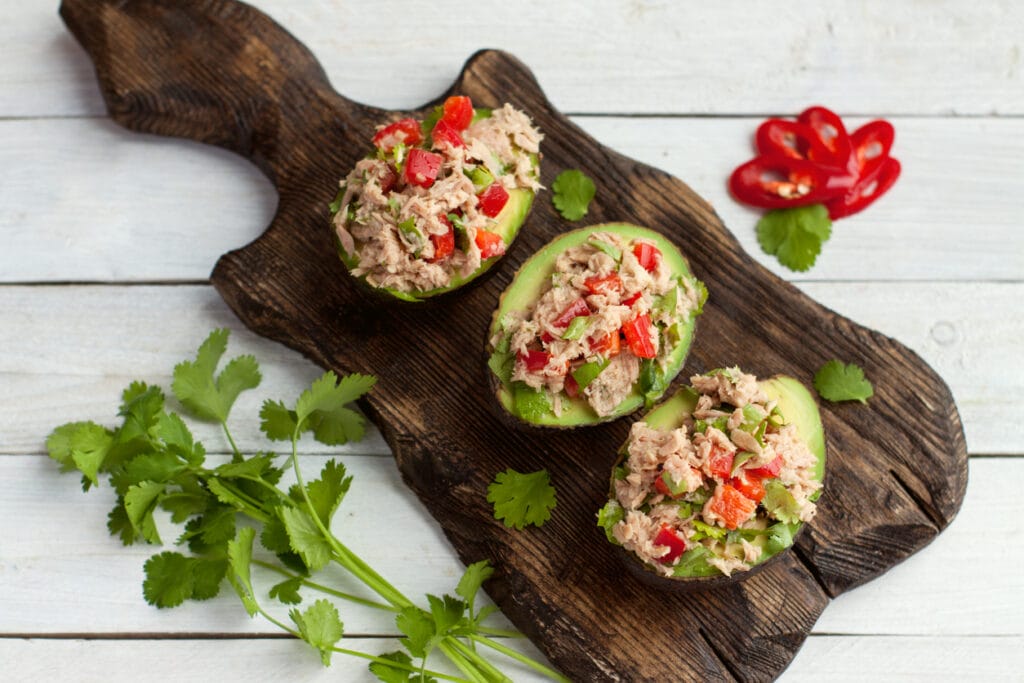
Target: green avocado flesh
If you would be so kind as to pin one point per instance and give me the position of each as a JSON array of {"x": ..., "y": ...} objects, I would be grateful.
[
  {"x": 526, "y": 288},
  {"x": 797, "y": 406}
]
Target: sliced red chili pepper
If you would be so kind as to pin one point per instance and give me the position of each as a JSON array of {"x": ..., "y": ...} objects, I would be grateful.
[
  {"x": 720, "y": 462},
  {"x": 571, "y": 386},
  {"x": 647, "y": 254},
  {"x": 790, "y": 139},
  {"x": 535, "y": 361},
  {"x": 675, "y": 543},
  {"x": 608, "y": 345},
  {"x": 490, "y": 244},
  {"x": 831, "y": 132},
  {"x": 492, "y": 200},
  {"x": 776, "y": 182},
  {"x": 871, "y": 144},
  {"x": 444, "y": 244},
  {"x": 421, "y": 167},
  {"x": 632, "y": 299},
  {"x": 751, "y": 488},
  {"x": 574, "y": 310},
  {"x": 731, "y": 506},
  {"x": 458, "y": 112},
  {"x": 445, "y": 135},
  {"x": 766, "y": 471},
  {"x": 638, "y": 336},
  {"x": 867, "y": 190},
  {"x": 605, "y": 284},
  {"x": 404, "y": 131}
]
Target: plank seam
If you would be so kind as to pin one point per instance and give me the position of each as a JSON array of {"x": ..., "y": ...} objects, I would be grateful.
[{"x": 721, "y": 656}]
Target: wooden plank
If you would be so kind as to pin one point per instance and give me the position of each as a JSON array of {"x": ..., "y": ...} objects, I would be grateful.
[
  {"x": 93, "y": 583},
  {"x": 704, "y": 58},
  {"x": 88, "y": 222},
  {"x": 69, "y": 351}
]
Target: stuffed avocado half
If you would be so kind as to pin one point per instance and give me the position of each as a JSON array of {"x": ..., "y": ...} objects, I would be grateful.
[
  {"x": 594, "y": 326},
  {"x": 438, "y": 201},
  {"x": 718, "y": 479}
]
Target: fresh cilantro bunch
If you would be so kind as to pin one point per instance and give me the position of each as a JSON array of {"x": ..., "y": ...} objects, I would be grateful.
[{"x": 154, "y": 464}]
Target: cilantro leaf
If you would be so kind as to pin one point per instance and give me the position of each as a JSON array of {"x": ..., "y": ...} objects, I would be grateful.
[
  {"x": 396, "y": 674},
  {"x": 239, "y": 564},
  {"x": 119, "y": 525},
  {"x": 320, "y": 626},
  {"x": 287, "y": 591},
  {"x": 276, "y": 421},
  {"x": 837, "y": 381},
  {"x": 608, "y": 516},
  {"x": 572, "y": 193},
  {"x": 446, "y": 612},
  {"x": 472, "y": 580},
  {"x": 207, "y": 397},
  {"x": 305, "y": 538},
  {"x": 89, "y": 446},
  {"x": 322, "y": 408},
  {"x": 175, "y": 434},
  {"x": 418, "y": 628},
  {"x": 522, "y": 499},
  {"x": 169, "y": 579},
  {"x": 780, "y": 503},
  {"x": 326, "y": 492},
  {"x": 795, "y": 235},
  {"x": 140, "y": 501},
  {"x": 780, "y": 537},
  {"x": 207, "y": 575}
]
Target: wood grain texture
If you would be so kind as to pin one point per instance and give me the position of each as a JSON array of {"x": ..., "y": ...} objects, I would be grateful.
[{"x": 223, "y": 73}]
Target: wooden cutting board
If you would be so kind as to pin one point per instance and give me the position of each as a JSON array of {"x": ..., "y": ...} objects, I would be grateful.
[{"x": 221, "y": 72}]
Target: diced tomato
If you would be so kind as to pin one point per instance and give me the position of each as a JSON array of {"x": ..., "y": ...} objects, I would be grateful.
[
  {"x": 444, "y": 134},
  {"x": 405, "y": 131},
  {"x": 751, "y": 488},
  {"x": 647, "y": 254},
  {"x": 766, "y": 471},
  {"x": 573, "y": 310},
  {"x": 458, "y": 112},
  {"x": 388, "y": 178},
  {"x": 607, "y": 346},
  {"x": 535, "y": 361},
  {"x": 638, "y": 335},
  {"x": 444, "y": 244},
  {"x": 732, "y": 506},
  {"x": 720, "y": 462},
  {"x": 632, "y": 300},
  {"x": 490, "y": 244},
  {"x": 572, "y": 387},
  {"x": 421, "y": 167},
  {"x": 492, "y": 200},
  {"x": 676, "y": 544},
  {"x": 603, "y": 285}
]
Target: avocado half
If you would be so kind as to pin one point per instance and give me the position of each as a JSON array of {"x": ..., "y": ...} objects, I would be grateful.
[
  {"x": 798, "y": 407},
  {"x": 528, "y": 285}
]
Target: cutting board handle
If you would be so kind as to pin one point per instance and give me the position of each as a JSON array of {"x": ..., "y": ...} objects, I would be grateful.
[{"x": 214, "y": 71}]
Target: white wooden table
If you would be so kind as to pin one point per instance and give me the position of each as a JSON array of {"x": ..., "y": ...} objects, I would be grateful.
[{"x": 107, "y": 238}]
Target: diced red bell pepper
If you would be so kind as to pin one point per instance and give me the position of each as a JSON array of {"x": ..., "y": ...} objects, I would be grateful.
[
  {"x": 791, "y": 139},
  {"x": 535, "y": 361},
  {"x": 777, "y": 182},
  {"x": 867, "y": 190},
  {"x": 675, "y": 543},
  {"x": 608, "y": 345},
  {"x": 421, "y": 167},
  {"x": 571, "y": 386},
  {"x": 574, "y": 310},
  {"x": 404, "y": 131},
  {"x": 492, "y": 200},
  {"x": 830, "y": 131},
  {"x": 638, "y": 336},
  {"x": 766, "y": 471},
  {"x": 751, "y": 488},
  {"x": 458, "y": 112},
  {"x": 444, "y": 244},
  {"x": 445, "y": 135},
  {"x": 605, "y": 284},
  {"x": 731, "y": 506},
  {"x": 490, "y": 244},
  {"x": 720, "y": 462},
  {"x": 632, "y": 300},
  {"x": 647, "y": 254}
]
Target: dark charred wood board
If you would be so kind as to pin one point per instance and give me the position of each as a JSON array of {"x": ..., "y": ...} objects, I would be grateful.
[{"x": 221, "y": 72}]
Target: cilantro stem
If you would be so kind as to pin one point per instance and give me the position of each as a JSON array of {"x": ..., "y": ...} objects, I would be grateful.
[
  {"x": 325, "y": 589},
  {"x": 500, "y": 632},
  {"x": 234, "y": 448},
  {"x": 521, "y": 658},
  {"x": 396, "y": 665},
  {"x": 489, "y": 670},
  {"x": 460, "y": 662}
]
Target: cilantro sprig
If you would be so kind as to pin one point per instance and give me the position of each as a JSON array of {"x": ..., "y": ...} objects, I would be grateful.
[
  {"x": 154, "y": 464},
  {"x": 838, "y": 381}
]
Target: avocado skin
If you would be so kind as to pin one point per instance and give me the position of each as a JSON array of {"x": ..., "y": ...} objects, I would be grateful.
[
  {"x": 797, "y": 405},
  {"x": 526, "y": 287}
]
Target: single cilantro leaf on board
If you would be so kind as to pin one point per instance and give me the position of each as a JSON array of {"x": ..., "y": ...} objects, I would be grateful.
[
  {"x": 522, "y": 499},
  {"x": 837, "y": 381},
  {"x": 572, "y": 193},
  {"x": 210, "y": 397},
  {"x": 320, "y": 626},
  {"x": 795, "y": 235}
]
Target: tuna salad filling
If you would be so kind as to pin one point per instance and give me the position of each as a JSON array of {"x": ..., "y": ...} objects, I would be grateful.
[
  {"x": 425, "y": 210},
  {"x": 721, "y": 492},
  {"x": 609, "y": 318}
]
